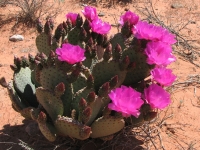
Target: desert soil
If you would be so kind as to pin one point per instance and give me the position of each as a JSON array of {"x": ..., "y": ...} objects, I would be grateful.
[{"x": 177, "y": 127}]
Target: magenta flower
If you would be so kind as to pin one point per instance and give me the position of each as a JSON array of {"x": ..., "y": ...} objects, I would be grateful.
[
  {"x": 163, "y": 76},
  {"x": 167, "y": 37},
  {"x": 156, "y": 96},
  {"x": 129, "y": 16},
  {"x": 100, "y": 27},
  {"x": 70, "y": 53},
  {"x": 159, "y": 53},
  {"x": 90, "y": 13},
  {"x": 126, "y": 100},
  {"x": 72, "y": 17},
  {"x": 144, "y": 30}
]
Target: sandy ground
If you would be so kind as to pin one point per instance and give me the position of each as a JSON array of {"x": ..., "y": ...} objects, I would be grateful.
[{"x": 178, "y": 126}]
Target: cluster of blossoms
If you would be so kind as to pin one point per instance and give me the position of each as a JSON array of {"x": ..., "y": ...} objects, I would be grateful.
[
  {"x": 96, "y": 24},
  {"x": 159, "y": 53},
  {"x": 158, "y": 50}
]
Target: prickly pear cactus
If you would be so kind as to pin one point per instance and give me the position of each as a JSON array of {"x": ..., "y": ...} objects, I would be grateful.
[{"x": 84, "y": 84}]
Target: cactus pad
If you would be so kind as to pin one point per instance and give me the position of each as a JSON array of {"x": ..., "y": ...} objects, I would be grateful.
[
  {"x": 72, "y": 128},
  {"x": 105, "y": 126}
]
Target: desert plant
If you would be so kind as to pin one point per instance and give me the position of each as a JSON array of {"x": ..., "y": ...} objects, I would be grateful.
[
  {"x": 83, "y": 84},
  {"x": 3, "y": 2},
  {"x": 31, "y": 10}
]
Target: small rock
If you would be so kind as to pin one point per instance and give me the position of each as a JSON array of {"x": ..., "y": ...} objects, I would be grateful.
[
  {"x": 176, "y": 5},
  {"x": 193, "y": 22},
  {"x": 115, "y": 25},
  {"x": 101, "y": 14},
  {"x": 126, "y": 9},
  {"x": 16, "y": 37},
  {"x": 84, "y": 5}
]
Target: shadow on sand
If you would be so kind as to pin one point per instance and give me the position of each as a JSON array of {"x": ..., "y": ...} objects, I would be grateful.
[{"x": 28, "y": 137}]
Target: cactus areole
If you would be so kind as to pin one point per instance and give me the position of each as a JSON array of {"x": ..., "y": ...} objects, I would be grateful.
[{"x": 83, "y": 84}]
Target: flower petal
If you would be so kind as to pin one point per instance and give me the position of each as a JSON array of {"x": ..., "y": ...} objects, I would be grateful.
[
  {"x": 70, "y": 53},
  {"x": 157, "y": 97},
  {"x": 126, "y": 100}
]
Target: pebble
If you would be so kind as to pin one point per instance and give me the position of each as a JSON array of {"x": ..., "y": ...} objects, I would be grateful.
[
  {"x": 126, "y": 9},
  {"x": 83, "y": 5},
  {"x": 176, "y": 5},
  {"x": 101, "y": 14},
  {"x": 16, "y": 38}
]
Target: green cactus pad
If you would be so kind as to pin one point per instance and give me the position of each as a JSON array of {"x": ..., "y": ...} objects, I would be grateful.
[
  {"x": 96, "y": 107},
  {"x": 51, "y": 103},
  {"x": 87, "y": 62},
  {"x": 100, "y": 52},
  {"x": 26, "y": 112},
  {"x": 33, "y": 78},
  {"x": 43, "y": 43},
  {"x": 52, "y": 76},
  {"x": 141, "y": 70},
  {"x": 80, "y": 83},
  {"x": 47, "y": 129},
  {"x": 83, "y": 93},
  {"x": 118, "y": 39},
  {"x": 104, "y": 71},
  {"x": 72, "y": 128},
  {"x": 24, "y": 86},
  {"x": 73, "y": 36},
  {"x": 16, "y": 101},
  {"x": 105, "y": 126}
]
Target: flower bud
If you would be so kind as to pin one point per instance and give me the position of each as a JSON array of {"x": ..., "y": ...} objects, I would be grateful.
[
  {"x": 90, "y": 42},
  {"x": 31, "y": 58},
  {"x": 79, "y": 21},
  {"x": 126, "y": 29},
  {"x": 86, "y": 25},
  {"x": 90, "y": 82},
  {"x": 82, "y": 104},
  {"x": 113, "y": 82},
  {"x": 59, "y": 89},
  {"x": 85, "y": 131},
  {"x": 117, "y": 52},
  {"x": 83, "y": 34},
  {"x": 91, "y": 97},
  {"x": 25, "y": 62},
  {"x": 100, "y": 39},
  {"x": 39, "y": 26},
  {"x": 108, "y": 53},
  {"x": 42, "y": 117},
  {"x": 124, "y": 64},
  {"x": 104, "y": 89}
]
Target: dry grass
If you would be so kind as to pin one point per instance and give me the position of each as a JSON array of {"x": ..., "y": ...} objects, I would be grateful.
[{"x": 28, "y": 11}]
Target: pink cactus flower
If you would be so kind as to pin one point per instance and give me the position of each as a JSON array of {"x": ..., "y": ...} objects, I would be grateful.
[
  {"x": 99, "y": 26},
  {"x": 90, "y": 13},
  {"x": 72, "y": 17},
  {"x": 156, "y": 96},
  {"x": 129, "y": 16},
  {"x": 126, "y": 100},
  {"x": 70, "y": 53},
  {"x": 159, "y": 53},
  {"x": 144, "y": 30},
  {"x": 163, "y": 76},
  {"x": 167, "y": 37}
]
